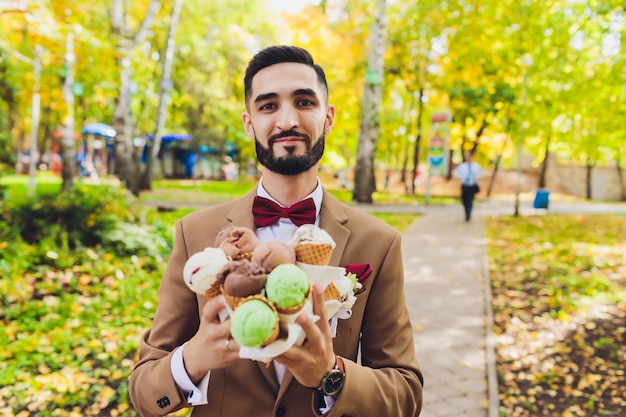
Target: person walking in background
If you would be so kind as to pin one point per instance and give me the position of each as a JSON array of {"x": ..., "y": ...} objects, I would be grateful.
[
  {"x": 188, "y": 358},
  {"x": 469, "y": 172}
]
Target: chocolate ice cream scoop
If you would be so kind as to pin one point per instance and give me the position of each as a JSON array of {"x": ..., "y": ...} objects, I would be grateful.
[
  {"x": 242, "y": 278},
  {"x": 237, "y": 242},
  {"x": 272, "y": 253}
]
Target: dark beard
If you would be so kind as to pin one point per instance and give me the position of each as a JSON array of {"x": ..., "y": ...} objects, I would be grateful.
[{"x": 290, "y": 164}]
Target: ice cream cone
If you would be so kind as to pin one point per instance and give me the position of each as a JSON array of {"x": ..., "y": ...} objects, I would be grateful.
[
  {"x": 213, "y": 291},
  {"x": 331, "y": 293},
  {"x": 245, "y": 255},
  {"x": 313, "y": 253},
  {"x": 274, "y": 335},
  {"x": 232, "y": 300}
]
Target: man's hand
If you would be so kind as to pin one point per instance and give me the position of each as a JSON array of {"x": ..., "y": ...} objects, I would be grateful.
[
  {"x": 212, "y": 346},
  {"x": 308, "y": 363}
]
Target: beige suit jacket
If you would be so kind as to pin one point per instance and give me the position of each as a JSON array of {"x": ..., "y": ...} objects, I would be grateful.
[{"x": 385, "y": 380}]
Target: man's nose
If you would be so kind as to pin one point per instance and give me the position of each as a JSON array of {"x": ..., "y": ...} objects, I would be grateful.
[{"x": 287, "y": 119}]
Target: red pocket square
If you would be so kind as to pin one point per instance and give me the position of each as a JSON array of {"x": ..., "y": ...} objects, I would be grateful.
[{"x": 362, "y": 271}]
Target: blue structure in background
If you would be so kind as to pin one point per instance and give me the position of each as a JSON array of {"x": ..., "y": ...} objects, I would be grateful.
[
  {"x": 96, "y": 149},
  {"x": 177, "y": 157},
  {"x": 175, "y": 151},
  {"x": 99, "y": 129},
  {"x": 542, "y": 199}
]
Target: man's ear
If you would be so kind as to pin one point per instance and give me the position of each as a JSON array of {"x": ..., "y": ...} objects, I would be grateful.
[
  {"x": 247, "y": 125},
  {"x": 330, "y": 119}
]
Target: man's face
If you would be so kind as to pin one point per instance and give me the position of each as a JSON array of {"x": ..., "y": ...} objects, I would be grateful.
[{"x": 288, "y": 118}]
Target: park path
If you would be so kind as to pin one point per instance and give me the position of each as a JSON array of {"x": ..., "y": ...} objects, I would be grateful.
[{"x": 446, "y": 282}]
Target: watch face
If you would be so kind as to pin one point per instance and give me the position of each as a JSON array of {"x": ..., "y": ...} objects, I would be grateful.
[{"x": 333, "y": 382}]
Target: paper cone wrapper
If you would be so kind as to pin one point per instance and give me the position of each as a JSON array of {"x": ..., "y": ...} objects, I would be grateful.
[
  {"x": 287, "y": 319},
  {"x": 322, "y": 275},
  {"x": 313, "y": 253},
  {"x": 295, "y": 337},
  {"x": 331, "y": 293}
]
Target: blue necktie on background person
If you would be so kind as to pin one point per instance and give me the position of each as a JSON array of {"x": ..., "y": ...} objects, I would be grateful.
[{"x": 469, "y": 178}]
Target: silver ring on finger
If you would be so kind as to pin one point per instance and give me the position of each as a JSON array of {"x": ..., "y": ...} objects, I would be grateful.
[{"x": 228, "y": 344}]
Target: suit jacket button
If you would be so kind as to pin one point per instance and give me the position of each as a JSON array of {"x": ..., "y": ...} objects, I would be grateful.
[
  {"x": 163, "y": 402},
  {"x": 280, "y": 411}
]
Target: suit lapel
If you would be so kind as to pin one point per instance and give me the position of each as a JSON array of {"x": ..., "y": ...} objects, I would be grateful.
[
  {"x": 332, "y": 219},
  {"x": 241, "y": 212}
]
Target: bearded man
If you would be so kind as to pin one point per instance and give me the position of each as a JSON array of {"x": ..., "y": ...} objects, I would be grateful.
[{"x": 188, "y": 358}]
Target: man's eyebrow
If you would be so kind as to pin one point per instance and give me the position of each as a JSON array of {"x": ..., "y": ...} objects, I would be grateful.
[
  {"x": 304, "y": 92},
  {"x": 266, "y": 96}
]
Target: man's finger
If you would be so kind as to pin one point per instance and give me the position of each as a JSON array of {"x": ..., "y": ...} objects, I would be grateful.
[
  {"x": 319, "y": 307},
  {"x": 212, "y": 308}
]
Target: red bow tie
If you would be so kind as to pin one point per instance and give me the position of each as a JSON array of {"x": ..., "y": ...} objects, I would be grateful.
[{"x": 266, "y": 212}]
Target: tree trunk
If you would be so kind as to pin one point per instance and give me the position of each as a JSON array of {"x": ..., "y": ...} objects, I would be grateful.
[
  {"x": 67, "y": 143},
  {"x": 496, "y": 166},
  {"x": 544, "y": 165},
  {"x": 620, "y": 178},
  {"x": 405, "y": 161},
  {"x": 588, "y": 179},
  {"x": 370, "y": 104},
  {"x": 145, "y": 182},
  {"x": 418, "y": 140},
  {"x": 122, "y": 118}
]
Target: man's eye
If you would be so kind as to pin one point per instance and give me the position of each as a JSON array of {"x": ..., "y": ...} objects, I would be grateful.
[
  {"x": 268, "y": 106},
  {"x": 305, "y": 103}
]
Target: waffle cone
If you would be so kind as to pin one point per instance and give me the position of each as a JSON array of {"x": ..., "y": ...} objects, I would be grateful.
[
  {"x": 244, "y": 255},
  {"x": 313, "y": 253},
  {"x": 275, "y": 331},
  {"x": 213, "y": 291},
  {"x": 331, "y": 293},
  {"x": 232, "y": 301},
  {"x": 297, "y": 308}
]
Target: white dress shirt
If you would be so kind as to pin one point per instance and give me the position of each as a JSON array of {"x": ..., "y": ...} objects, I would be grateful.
[{"x": 469, "y": 172}]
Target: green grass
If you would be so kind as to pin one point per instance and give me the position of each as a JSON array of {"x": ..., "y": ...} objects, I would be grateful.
[{"x": 18, "y": 186}]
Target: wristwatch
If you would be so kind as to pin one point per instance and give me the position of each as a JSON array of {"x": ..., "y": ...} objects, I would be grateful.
[{"x": 332, "y": 381}]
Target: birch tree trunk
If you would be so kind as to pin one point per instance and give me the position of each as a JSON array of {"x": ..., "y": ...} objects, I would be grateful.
[
  {"x": 122, "y": 118},
  {"x": 145, "y": 182},
  {"x": 418, "y": 140},
  {"x": 67, "y": 144},
  {"x": 364, "y": 180}
]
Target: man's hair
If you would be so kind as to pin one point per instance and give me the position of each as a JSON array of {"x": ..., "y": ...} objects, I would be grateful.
[{"x": 277, "y": 55}]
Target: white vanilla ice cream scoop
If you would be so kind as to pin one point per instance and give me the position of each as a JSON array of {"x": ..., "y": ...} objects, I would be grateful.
[
  {"x": 201, "y": 269},
  {"x": 309, "y": 233}
]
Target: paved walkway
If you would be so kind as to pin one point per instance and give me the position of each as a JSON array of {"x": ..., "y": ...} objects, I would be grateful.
[
  {"x": 446, "y": 280},
  {"x": 449, "y": 299}
]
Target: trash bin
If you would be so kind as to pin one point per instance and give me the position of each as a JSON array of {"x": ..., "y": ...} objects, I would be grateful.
[{"x": 542, "y": 199}]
